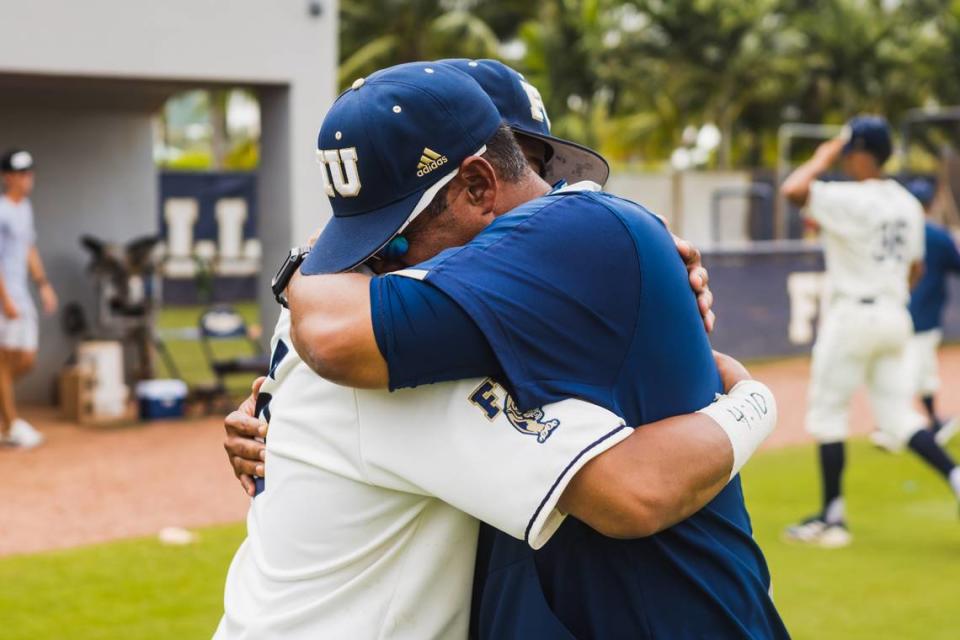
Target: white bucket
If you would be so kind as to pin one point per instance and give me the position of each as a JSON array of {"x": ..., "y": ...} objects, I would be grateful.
[{"x": 104, "y": 358}]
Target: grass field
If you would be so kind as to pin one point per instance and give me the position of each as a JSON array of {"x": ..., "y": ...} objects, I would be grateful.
[
  {"x": 187, "y": 354},
  {"x": 897, "y": 581}
]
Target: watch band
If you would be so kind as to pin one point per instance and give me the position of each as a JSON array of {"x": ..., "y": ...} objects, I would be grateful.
[{"x": 289, "y": 267}]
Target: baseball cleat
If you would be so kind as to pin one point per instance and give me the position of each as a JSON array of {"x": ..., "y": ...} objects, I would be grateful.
[
  {"x": 949, "y": 429},
  {"x": 883, "y": 440},
  {"x": 816, "y": 531}
]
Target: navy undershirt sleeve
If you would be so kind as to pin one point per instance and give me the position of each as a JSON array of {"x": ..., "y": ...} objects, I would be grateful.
[{"x": 425, "y": 336}]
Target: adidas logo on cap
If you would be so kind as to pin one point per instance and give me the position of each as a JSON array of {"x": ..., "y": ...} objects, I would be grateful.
[{"x": 429, "y": 160}]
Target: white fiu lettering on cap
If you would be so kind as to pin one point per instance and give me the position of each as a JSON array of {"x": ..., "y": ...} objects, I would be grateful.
[
  {"x": 538, "y": 111},
  {"x": 340, "y": 173}
]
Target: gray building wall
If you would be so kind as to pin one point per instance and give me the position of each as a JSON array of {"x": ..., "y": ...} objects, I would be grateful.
[
  {"x": 101, "y": 193},
  {"x": 80, "y": 82}
]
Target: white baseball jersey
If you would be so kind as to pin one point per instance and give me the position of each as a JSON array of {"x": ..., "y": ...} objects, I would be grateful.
[
  {"x": 872, "y": 231},
  {"x": 367, "y": 527}
]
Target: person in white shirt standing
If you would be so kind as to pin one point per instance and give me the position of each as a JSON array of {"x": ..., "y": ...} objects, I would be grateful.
[
  {"x": 19, "y": 259},
  {"x": 873, "y": 235}
]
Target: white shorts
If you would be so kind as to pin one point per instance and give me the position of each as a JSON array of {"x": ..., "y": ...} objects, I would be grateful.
[
  {"x": 857, "y": 344},
  {"x": 923, "y": 361},
  {"x": 20, "y": 334}
]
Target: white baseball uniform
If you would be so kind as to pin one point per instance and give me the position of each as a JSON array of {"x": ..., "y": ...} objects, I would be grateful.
[
  {"x": 872, "y": 231},
  {"x": 923, "y": 361},
  {"x": 367, "y": 527},
  {"x": 17, "y": 236}
]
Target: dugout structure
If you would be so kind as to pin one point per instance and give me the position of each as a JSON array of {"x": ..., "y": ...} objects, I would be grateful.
[{"x": 81, "y": 82}]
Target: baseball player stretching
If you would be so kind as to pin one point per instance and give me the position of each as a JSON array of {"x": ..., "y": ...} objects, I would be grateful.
[
  {"x": 926, "y": 307},
  {"x": 873, "y": 242}
]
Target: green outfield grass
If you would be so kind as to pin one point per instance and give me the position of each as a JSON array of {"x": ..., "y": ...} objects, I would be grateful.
[{"x": 897, "y": 581}]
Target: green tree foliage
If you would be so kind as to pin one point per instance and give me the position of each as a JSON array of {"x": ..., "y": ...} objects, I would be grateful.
[{"x": 628, "y": 76}]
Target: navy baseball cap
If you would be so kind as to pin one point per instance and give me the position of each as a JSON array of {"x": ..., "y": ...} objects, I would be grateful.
[
  {"x": 387, "y": 145},
  {"x": 522, "y": 108},
  {"x": 16, "y": 160},
  {"x": 870, "y": 134},
  {"x": 922, "y": 189}
]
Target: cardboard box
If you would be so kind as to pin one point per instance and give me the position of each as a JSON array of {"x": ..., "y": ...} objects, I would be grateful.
[
  {"x": 76, "y": 393},
  {"x": 79, "y": 401}
]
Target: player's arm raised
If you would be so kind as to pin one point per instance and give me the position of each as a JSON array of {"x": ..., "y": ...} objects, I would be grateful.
[
  {"x": 796, "y": 188},
  {"x": 668, "y": 470}
]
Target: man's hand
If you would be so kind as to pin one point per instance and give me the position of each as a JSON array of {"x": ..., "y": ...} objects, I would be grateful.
[
  {"x": 731, "y": 371},
  {"x": 48, "y": 299},
  {"x": 245, "y": 453},
  {"x": 699, "y": 280},
  {"x": 10, "y": 310}
]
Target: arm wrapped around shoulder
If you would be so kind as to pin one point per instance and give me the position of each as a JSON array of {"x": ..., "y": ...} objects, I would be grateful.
[{"x": 747, "y": 414}]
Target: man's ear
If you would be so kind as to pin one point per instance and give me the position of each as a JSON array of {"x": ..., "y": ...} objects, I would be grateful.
[{"x": 480, "y": 182}]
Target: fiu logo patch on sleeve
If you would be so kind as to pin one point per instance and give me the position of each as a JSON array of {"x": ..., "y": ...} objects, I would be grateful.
[
  {"x": 493, "y": 399},
  {"x": 340, "y": 173}
]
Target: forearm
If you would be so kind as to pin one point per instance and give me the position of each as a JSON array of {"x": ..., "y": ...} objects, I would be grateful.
[
  {"x": 796, "y": 188},
  {"x": 916, "y": 273},
  {"x": 332, "y": 330},
  {"x": 662, "y": 474},
  {"x": 668, "y": 470},
  {"x": 35, "y": 265}
]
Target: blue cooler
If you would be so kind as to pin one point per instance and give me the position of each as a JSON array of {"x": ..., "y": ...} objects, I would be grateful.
[{"x": 161, "y": 399}]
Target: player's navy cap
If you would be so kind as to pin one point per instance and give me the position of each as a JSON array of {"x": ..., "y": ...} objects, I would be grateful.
[
  {"x": 870, "y": 134},
  {"x": 16, "y": 160},
  {"x": 922, "y": 189},
  {"x": 387, "y": 146},
  {"x": 521, "y": 107}
]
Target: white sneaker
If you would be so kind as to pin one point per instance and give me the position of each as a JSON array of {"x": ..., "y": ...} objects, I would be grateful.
[
  {"x": 24, "y": 435},
  {"x": 817, "y": 532},
  {"x": 949, "y": 429},
  {"x": 883, "y": 440}
]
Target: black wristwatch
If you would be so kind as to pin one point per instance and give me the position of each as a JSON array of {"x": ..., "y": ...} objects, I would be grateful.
[{"x": 286, "y": 271}]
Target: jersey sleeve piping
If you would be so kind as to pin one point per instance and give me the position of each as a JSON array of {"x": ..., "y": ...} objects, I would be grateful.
[{"x": 544, "y": 522}]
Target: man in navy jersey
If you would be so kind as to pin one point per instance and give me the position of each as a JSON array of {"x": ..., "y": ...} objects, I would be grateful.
[
  {"x": 927, "y": 300},
  {"x": 559, "y": 292}
]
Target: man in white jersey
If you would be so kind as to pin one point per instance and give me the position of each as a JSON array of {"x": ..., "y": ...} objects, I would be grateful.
[
  {"x": 873, "y": 237},
  {"x": 19, "y": 259},
  {"x": 367, "y": 526}
]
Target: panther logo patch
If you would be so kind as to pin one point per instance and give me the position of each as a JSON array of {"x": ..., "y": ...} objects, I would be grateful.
[{"x": 493, "y": 399}]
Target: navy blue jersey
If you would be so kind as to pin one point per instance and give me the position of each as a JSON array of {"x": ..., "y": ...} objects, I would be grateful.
[
  {"x": 583, "y": 294},
  {"x": 930, "y": 295}
]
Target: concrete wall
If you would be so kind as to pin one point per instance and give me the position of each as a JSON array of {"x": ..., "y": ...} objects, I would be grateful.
[
  {"x": 756, "y": 306},
  {"x": 685, "y": 200},
  {"x": 80, "y": 81},
  {"x": 90, "y": 179}
]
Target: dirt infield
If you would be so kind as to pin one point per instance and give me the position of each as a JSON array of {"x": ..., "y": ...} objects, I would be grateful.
[
  {"x": 788, "y": 379},
  {"x": 87, "y": 485}
]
